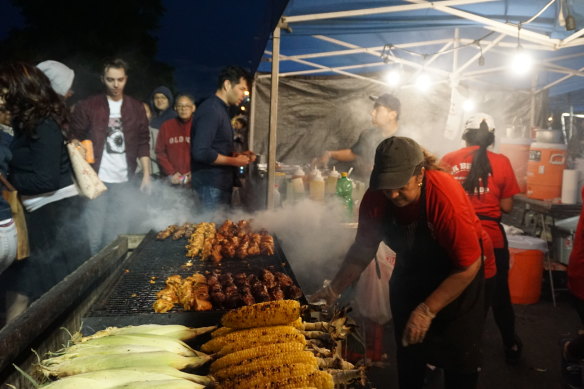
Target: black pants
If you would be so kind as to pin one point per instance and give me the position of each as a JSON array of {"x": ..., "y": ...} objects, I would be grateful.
[
  {"x": 576, "y": 346},
  {"x": 412, "y": 373},
  {"x": 501, "y": 299}
]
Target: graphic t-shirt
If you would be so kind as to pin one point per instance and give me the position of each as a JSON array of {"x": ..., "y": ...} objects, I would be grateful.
[{"x": 114, "y": 167}]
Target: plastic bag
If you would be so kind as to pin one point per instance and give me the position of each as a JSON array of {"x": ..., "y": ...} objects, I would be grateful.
[{"x": 372, "y": 291}]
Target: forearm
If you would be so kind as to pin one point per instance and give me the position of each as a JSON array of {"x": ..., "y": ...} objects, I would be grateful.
[
  {"x": 343, "y": 155},
  {"x": 146, "y": 168},
  {"x": 356, "y": 260},
  {"x": 452, "y": 287}
]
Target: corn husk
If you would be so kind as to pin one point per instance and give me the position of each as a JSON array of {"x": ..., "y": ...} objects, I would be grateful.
[
  {"x": 154, "y": 341},
  {"x": 145, "y": 361},
  {"x": 114, "y": 378},
  {"x": 176, "y": 331}
]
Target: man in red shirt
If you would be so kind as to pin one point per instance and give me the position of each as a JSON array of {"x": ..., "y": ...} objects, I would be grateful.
[{"x": 173, "y": 145}]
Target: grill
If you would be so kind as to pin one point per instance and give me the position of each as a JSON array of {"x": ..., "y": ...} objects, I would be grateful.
[{"x": 130, "y": 300}]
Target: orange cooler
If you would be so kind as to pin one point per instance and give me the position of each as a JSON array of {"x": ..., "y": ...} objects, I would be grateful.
[
  {"x": 544, "y": 170},
  {"x": 517, "y": 150},
  {"x": 525, "y": 268}
]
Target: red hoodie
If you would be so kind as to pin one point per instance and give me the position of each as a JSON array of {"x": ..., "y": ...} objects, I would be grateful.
[{"x": 173, "y": 146}]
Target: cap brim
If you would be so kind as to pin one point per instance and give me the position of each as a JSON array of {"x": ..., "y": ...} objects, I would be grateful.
[
  {"x": 373, "y": 98},
  {"x": 390, "y": 180}
]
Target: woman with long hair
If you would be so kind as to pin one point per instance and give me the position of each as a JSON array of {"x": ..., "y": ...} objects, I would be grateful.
[
  {"x": 490, "y": 183},
  {"x": 41, "y": 172},
  {"x": 436, "y": 288}
]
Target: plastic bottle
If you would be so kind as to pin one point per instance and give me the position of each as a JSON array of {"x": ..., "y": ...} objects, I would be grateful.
[
  {"x": 331, "y": 182},
  {"x": 316, "y": 186},
  {"x": 298, "y": 183},
  {"x": 345, "y": 193}
]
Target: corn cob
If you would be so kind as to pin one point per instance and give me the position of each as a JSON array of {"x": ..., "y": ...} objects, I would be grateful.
[
  {"x": 263, "y": 377},
  {"x": 171, "y": 330},
  {"x": 104, "y": 362},
  {"x": 269, "y": 313},
  {"x": 245, "y": 356},
  {"x": 318, "y": 379},
  {"x": 221, "y": 331},
  {"x": 249, "y": 342},
  {"x": 247, "y": 335},
  {"x": 305, "y": 357}
]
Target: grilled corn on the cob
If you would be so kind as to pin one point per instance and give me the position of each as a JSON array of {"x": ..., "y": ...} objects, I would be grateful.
[
  {"x": 247, "y": 336},
  {"x": 245, "y": 356},
  {"x": 269, "y": 313},
  {"x": 265, "y": 376}
]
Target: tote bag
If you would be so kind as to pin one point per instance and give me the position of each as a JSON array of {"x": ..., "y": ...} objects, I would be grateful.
[
  {"x": 10, "y": 194},
  {"x": 88, "y": 182}
]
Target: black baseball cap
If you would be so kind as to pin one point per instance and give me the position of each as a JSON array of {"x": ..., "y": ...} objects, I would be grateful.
[
  {"x": 396, "y": 159},
  {"x": 387, "y": 100}
]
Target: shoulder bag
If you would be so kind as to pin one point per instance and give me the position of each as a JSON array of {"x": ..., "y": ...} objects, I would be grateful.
[{"x": 10, "y": 194}]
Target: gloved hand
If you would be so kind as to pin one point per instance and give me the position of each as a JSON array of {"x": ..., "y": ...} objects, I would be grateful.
[
  {"x": 325, "y": 293},
  {"x": 417, "y": 325}
]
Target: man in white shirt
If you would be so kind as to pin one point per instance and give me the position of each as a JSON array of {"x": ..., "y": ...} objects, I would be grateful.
[{"x": 118, "y": 127}]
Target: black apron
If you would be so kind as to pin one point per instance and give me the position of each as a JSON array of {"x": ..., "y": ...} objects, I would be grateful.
[{"x": 453, "y": 340}]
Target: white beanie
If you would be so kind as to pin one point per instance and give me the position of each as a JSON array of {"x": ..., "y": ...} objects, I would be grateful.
[
  {"x": 473, "y": 122},
  {"x": 60, "y": 75}
]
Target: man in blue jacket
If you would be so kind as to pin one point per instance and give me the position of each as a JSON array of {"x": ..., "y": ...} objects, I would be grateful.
[{"x": 213, "y": 156}]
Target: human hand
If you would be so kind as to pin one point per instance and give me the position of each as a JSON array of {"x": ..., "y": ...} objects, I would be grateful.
[
  {"x": 146, "y": 185},
  {"x": 241, "y": 160},
  {"x": 325, "y": 158},
  {"x": 252, "y": 156},
  {"x": 325, "y": 293},
  {"x": 175, "y": 178},
  {"x": 417, "y": 325}
]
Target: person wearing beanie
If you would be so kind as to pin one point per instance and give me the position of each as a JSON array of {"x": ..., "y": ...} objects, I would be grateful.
[
  {"x": 490, "y": 183},
  {"x": 60, "y": 75},
  {"x": 384, "y": 117},
  {"x": 161, "y": 105},
  {"x": 436, "y": 288}
]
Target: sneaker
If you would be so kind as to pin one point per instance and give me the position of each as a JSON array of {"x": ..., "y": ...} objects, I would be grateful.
[
  {"x": 513, "y": 353},
  {"x": 571, "y": 370}
]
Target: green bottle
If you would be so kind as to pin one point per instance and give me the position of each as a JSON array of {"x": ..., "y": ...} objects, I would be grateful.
[{"x": 345, "y": 193}]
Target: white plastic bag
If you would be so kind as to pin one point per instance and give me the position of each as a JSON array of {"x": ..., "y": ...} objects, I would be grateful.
[{"x": 372, "y": 292}]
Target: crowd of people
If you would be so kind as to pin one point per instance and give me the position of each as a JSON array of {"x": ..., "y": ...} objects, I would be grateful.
[{"x": 133, "y": 143}]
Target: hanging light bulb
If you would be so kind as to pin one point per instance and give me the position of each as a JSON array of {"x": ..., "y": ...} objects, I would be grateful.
[
  {"x": 392, "y": 77},
  {"x": 423, "y": 82},
  {"x": 522, "y": 61},
  {"x": 468, "y": 105}
]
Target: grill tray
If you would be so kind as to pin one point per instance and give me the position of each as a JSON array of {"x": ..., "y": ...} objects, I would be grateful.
[{"x": 130, "y": 300}]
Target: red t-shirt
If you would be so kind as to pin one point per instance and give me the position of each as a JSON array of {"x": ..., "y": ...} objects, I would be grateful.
[
  {"x": 450, "y": 215},
  {"x": 502, "y": 184},
  {"x": 173, "y": 146},
  {"x": 576, "y": 263}
]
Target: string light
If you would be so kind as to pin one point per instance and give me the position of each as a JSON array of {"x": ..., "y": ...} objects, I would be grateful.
[
  {"x": 392, "y": 77},
  {"x": 468, "y": 105},
  {"x": 522, "y": 61}
]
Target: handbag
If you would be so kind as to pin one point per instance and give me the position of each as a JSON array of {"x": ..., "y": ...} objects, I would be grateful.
[
  {"x": 88, "y": 182},
  {"x": 10, "y": 194}
]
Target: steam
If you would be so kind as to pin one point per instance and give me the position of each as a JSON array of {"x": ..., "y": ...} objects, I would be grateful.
[{"x": 312, "y": 235}]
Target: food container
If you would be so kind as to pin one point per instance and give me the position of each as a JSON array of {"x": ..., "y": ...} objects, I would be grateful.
[{"x": 548, "y": 136}]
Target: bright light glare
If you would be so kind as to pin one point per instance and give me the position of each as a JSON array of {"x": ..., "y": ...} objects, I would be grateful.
[
  {"x": 246, "y": 93},
  {"x": 521, "y": 63},
  {"x": 392, "y": 77},
  {"x": 242, "y": 108},
  {"x": 423, "y": 82},
  {"x": 468, "y": 105}
]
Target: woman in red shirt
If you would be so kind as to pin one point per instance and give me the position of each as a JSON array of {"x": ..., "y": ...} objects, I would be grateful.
[
  {"x": 436, "y": 288},
  {"x": 490, "y": 182}
]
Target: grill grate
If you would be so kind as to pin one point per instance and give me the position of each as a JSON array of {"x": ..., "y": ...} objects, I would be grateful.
[{"x": 134, "y": 293}]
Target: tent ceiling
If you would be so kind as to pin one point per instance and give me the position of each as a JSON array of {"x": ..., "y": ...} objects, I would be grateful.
[{"x": 445, "y": 39}]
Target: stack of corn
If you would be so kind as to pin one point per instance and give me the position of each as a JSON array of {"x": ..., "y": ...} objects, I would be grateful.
[
  {"x": 148, "y": 356},
  {"x": 263, "y": 346}
]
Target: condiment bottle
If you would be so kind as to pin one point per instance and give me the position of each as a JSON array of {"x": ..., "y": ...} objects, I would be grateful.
[
  {"x": 331, "y": 182},
  {"x": 298, "y": 183},
  {"x": 345, "y": 193},
  {"x": 317, "y": 186}
]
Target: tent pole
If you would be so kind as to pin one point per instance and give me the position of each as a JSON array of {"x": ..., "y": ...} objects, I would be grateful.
[
  {"x": 252, "y": 114},
  {"x": 273, "y": 118}
]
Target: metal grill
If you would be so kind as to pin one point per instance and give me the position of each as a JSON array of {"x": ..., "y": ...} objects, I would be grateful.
[{"x": 154, "y": 261}]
